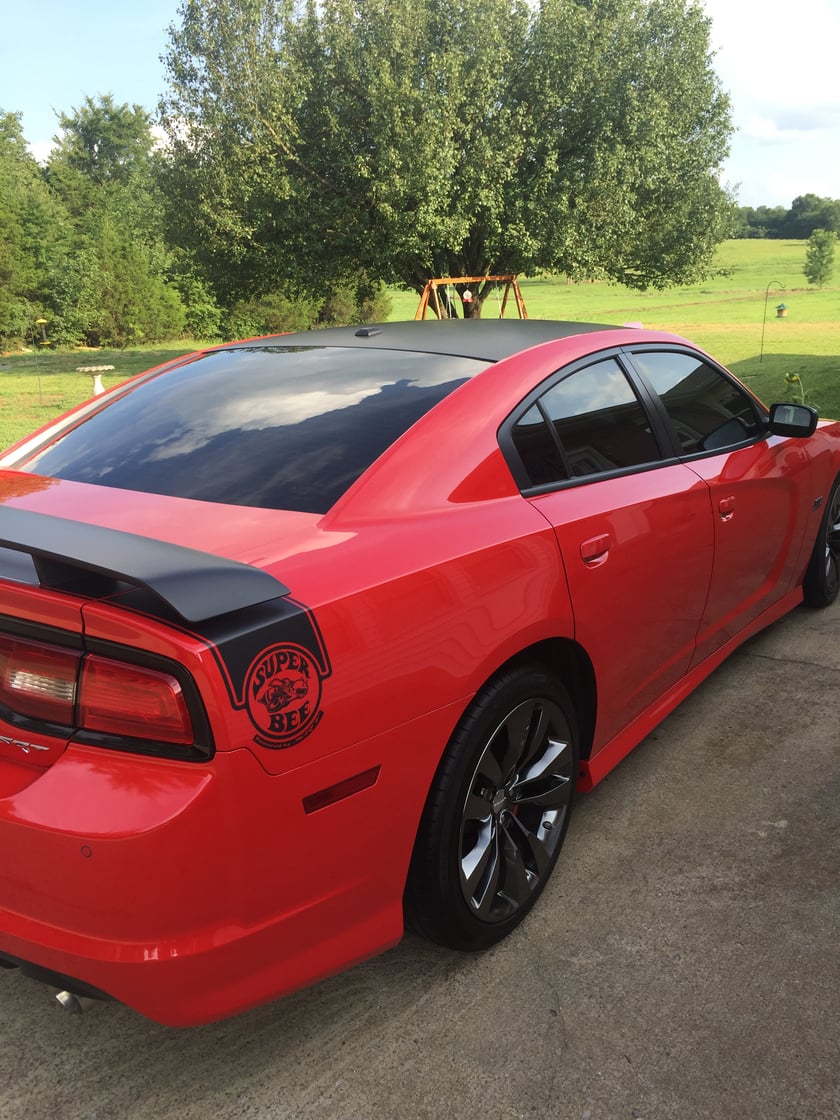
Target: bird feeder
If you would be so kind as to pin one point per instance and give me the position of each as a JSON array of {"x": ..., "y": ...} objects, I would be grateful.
[{"x": 781, "y": 311}]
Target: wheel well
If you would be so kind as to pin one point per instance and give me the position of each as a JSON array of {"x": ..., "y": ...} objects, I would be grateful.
[
  {"x": 570, "y": 661},
  {"x": 819, "y": 588}
]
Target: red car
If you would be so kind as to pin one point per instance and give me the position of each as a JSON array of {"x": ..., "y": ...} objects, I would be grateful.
[{"x": 307, "y": 637}]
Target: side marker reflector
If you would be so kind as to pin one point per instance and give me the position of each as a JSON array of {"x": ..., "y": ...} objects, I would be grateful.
[{"x": 324, "y": 797}]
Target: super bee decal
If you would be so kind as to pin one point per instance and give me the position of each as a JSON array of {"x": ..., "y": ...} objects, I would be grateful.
[
  {"x": 274, "y": 663},
  {"x": 283, "y": 696},
  {"x": 272, "y": 659}
]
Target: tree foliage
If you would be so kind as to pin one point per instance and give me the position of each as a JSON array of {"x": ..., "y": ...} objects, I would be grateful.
[
  {"x": 105, "y": 142},
  {"x": 33, "y": 242},
  {"x": 806, "y": 213},
  {"x": 410, "y": 138},
  {"x": 819, "y": 257},
  {"x": 809, "y": 212},
  {"x": 104, "y": 171}
]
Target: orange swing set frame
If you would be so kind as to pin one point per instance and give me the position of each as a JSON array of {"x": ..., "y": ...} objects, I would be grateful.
[{"x": 431, "y": 295}]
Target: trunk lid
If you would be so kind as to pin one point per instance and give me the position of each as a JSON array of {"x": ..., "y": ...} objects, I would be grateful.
[{"x": 71, "y": 551}]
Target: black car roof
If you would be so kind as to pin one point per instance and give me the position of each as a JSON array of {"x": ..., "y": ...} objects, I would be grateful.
[{"x": 487, "y": 339}]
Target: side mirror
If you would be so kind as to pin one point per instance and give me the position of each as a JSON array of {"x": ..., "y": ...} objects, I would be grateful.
[{"x": 798, "y": 420}]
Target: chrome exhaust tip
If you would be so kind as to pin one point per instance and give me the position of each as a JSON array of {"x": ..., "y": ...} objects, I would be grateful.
[{"x": 70, "y": 1002}]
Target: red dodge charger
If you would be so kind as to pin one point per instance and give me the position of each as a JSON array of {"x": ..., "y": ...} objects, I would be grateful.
[{"x": 307, "y": 638}]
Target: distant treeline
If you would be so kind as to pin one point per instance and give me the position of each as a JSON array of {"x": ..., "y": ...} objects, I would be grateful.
[{"x": 807, "y": 213}]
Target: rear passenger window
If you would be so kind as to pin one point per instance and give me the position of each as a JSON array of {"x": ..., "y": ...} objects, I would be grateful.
[
  {"x": 588, "y": 423},
  {"x": 708, "y": 411},
  {"x": 538, "y": 449}
]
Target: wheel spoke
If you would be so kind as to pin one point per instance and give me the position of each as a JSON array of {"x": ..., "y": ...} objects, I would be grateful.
[
  {"x": 477, "y": 807},
  {"x": 480, "y": 868},
  {"x": 514, "y": 737},
  {"x": 553, "y": 794},
  {"x": 832, "y": 534},
  {"x": 538, "y": 733},
  {"x": 489, "y": 771},
  {"x": 538, "y": 850},
  {"x": 517, "y": 881},
  {"x": 832, "y": 545},
  {"x": 547, "y": 782}
]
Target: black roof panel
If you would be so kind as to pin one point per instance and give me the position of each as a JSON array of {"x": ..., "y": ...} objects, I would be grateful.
[{"x": 486, "y": 339}]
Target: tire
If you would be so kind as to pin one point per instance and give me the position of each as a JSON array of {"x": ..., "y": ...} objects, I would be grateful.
[
  {"x": 497, "y": 812},
  {"x": 822, "y": 579}
]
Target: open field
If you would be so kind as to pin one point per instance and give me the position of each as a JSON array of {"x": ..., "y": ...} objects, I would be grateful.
[{"x": 724, "y": 315}]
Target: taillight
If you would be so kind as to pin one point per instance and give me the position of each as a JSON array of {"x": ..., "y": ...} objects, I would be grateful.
[
  {"x": 91, "y": 693},
  {"x": 37, "y": 680},
  {"x": 122, "y": 699}
]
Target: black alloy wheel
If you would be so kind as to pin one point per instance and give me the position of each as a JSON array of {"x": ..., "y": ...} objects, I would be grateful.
[
  {"x": 497, "y": 814},
  {"x": 822, "y": 579}
]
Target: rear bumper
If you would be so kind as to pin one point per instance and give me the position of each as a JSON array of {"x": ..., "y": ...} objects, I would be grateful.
[
  {"x": 194, "y": 891},
  {"x": 194, "y": 981}
]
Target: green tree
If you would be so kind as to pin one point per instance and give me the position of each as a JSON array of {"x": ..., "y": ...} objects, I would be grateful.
[
  {"x": 633, "y": 108},
  {"x": 808, "y": 213},
  {"x": 120, "y": 288},
  {"x": 18, "y": 275},
  {"x": 409, "y": 138},
  {"x": 761, "y": 221},
  {"x": 231, "y": 137},
  {"x": 819, "y": 257},
  {"x": 33, "y": 241},
  {"x": 105, "y": 142}
]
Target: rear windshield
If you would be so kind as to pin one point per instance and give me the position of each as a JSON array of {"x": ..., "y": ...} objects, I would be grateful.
[{"x": 271, "y": 426}]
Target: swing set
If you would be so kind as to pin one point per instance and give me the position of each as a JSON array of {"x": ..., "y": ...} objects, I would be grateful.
[{"x": 443, "y": 302}]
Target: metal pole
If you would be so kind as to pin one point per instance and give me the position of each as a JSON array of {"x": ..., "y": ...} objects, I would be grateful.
[{"x": 781, "y": 288}]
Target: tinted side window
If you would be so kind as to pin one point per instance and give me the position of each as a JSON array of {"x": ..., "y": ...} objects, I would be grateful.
[
  {"x": 708, "y": 411},
  {"x": 588, "y": 423},
  {"x": 538, "y": 449},
  {"x": 599, "y": 422}
]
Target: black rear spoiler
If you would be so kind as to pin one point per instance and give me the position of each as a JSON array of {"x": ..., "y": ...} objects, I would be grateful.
[{"x": 74, "y": 556}]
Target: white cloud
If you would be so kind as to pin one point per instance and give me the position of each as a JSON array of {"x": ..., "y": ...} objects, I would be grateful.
[
  {"x": 783, "y": 128},
  {"x": 777, "y": 52},
  {"x": 41, "y": 149},
  {"x": 778, "y": 61}
]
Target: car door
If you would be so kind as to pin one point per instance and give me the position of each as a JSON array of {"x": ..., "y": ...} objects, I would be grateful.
[
  {"x": 633, "y": 525},
  {"x": 758, "y": 486}
]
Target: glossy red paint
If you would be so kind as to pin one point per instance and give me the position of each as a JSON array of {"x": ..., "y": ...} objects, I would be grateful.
[
  {"x": 652, "y": 597},
  {"x": 193, "y": 889},
  {"x": 760, "y": 514}
]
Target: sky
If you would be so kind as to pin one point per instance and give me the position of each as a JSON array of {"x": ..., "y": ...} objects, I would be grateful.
[{"x": 776, "y": 58}]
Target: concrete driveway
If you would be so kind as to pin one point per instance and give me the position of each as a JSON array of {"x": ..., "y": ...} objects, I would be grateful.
[{"x": 683, "y": 963}]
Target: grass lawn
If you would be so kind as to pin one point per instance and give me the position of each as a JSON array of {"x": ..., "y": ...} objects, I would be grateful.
[
  {"x": 724, "y": 315},
  {"x": 37, "y": 387}
]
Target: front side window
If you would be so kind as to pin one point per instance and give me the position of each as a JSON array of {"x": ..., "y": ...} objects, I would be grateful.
[
  {"x": 709, "y": 412},
  {"x": 588, "y": 423}
]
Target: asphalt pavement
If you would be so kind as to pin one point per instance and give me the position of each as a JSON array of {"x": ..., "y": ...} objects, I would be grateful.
[{"x": 684, "y": 962}]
